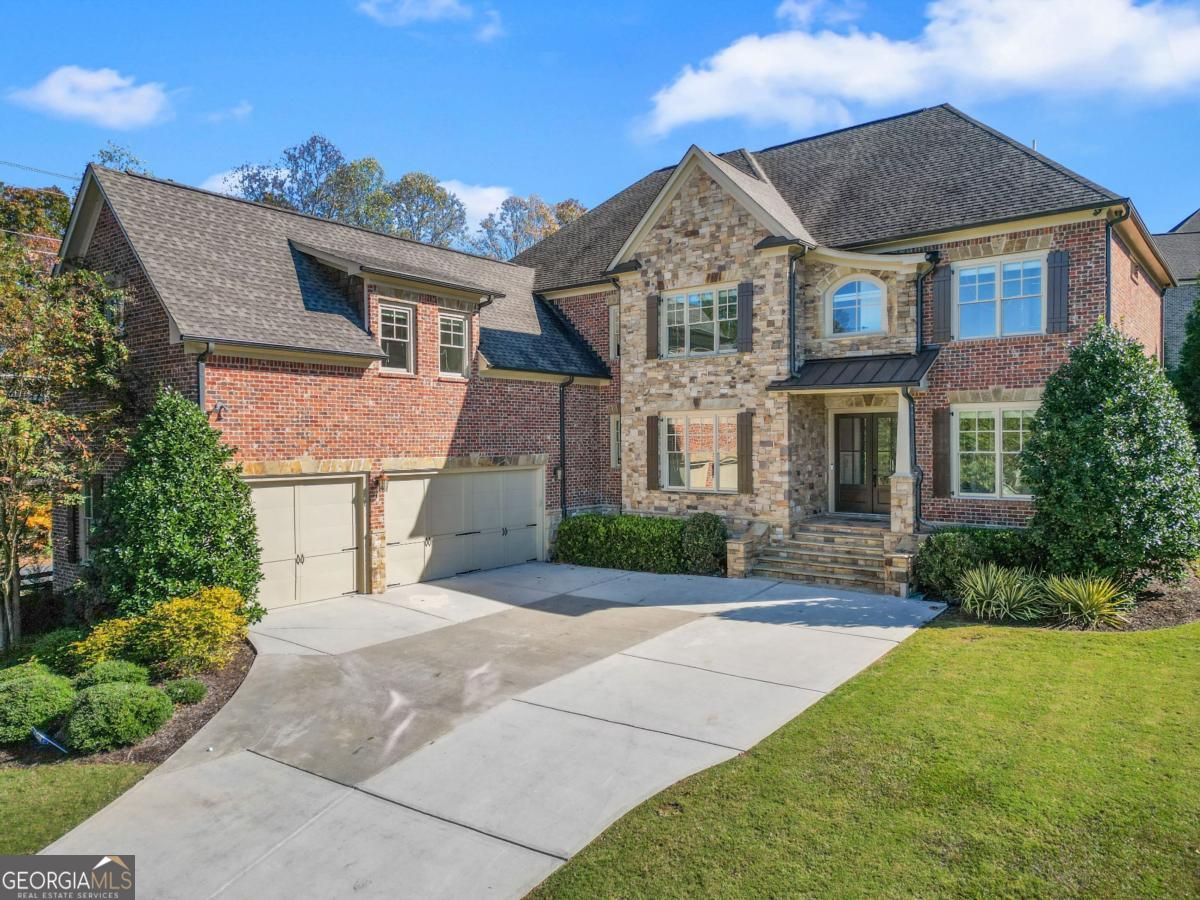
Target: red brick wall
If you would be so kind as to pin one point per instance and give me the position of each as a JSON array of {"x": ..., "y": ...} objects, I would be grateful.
[
  {"x": 1136, "y": 301},
  {"x": 1006, "y": 363}
]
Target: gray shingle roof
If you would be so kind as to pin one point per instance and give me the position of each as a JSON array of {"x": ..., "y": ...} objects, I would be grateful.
[
  {"x": 1190, "y": 225},
  {"x": 921, "y": 172},
  {"x": 1181, "y": 249},
  {"x": 226, "y": 270},
  {"x": 889, "y": 370}
]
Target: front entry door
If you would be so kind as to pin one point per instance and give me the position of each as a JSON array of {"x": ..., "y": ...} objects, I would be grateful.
[{"x": 864, "y": 461}]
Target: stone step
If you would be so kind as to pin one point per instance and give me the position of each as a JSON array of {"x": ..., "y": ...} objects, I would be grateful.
[
  {"x": 828, "y": 544},
  {"x": 791, "y": 572},
  {"x": 843, "y": 527},
  {"x": 849, "y": 564}
]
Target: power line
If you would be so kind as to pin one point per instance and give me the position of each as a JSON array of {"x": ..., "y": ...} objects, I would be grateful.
[{"x": 17, "y": 165}]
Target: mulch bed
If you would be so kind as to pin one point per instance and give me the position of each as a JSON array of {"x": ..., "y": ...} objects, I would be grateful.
[
  {"x": 188, "y": 719},
  {"x": 1164, "y": 605}
]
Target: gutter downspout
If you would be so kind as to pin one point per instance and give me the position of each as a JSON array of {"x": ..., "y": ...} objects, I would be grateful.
[
  {"x": 791, "y": 289},
  {"x": 201, "y": 358},
  {"x": 918, "y": 474},
  {"x": 1108, "y": 228},
  {"x": 932, "y": 257},
  {"x": 562, "y": 445}
]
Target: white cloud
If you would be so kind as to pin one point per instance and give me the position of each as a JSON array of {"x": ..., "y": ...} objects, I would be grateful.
[
  {"x": 477, "y": 198},
  {"x": 100, "y": 96},
  {"x": 805, "y": 77},
  {"x": 492, "y": 27},
  {"x": 237, "y": 113},
  {"x": 221, "y": 182},
  {"x": 399, "y": 13}
]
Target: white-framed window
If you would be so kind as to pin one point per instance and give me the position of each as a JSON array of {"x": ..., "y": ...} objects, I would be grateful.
[
  {"x": 1001, "y": 297},
  {"x": 396, "y": 336},
  {"x": 93, "y": 488},
  {"x": 699, "y": 321},
  {"x": 857, "y": 306},
  {"x": 987, "y": 441},
  {"x": 453, "y": 343},
  {"x": 614, "y": 441},
  {"x": 614, "y": 332},
  {"x": 699, "y": 452}
]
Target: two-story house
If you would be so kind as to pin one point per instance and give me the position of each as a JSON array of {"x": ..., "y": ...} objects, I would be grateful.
[{"x": 831, "y": 343}]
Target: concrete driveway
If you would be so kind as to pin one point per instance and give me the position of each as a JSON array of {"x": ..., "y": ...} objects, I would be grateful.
[{"x": 467, "y": 736}]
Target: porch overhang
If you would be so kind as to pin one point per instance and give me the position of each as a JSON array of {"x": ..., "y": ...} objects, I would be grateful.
[{"x": 858, "y": 373}]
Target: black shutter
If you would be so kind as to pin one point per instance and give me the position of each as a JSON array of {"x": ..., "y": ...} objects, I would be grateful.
[
  {"x": 652, "y": 483},
  {"x": 652, "y": 351},
  {"x": 942, "y": 311},
  {"x": 73, "y": 514},
  {"x": 941, "y": 452},
  {"x": 745, "y": 452},
  {"x": 745, "y": 316},
  {"x": 1057, "y": 283}
]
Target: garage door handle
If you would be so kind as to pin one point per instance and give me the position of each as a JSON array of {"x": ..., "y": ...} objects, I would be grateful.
[
  {"x": 464, "y": 534},
  {"x": 299, "y": 559}
]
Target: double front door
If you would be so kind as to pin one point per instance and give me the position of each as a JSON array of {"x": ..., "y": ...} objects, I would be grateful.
[{"x": 864, "y": 461}]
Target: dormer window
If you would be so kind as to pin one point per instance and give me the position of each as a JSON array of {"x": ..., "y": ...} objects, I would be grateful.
[{"x": 856, "y": 307}]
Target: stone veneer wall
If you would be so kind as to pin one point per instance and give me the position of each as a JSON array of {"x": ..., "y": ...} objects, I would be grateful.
[
  {"x": 705, "y": 237},
  {"x": 813, "y": 340}
]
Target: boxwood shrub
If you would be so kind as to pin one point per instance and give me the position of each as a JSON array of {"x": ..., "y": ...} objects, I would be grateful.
[
  {"x": 643, "y": 543},
  {"x": 31, "y": 697},
  {"x": 185, "y": 690},
  {"x": 115, "y": 715},
  {"x": 947, "y": 555},
  {"x": 112, "y": 670},
  {"x": 54, "y": 649}
]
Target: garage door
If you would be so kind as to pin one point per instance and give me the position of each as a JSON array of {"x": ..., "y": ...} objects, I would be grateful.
[
  {"x": 309, "y": 537},
  {"x": 448, "y": 524}
]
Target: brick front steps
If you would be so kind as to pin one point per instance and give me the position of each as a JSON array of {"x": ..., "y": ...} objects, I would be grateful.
[{"x": 839, "y": 553}]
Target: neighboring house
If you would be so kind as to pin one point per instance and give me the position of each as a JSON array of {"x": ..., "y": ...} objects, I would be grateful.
[
  {"x": 1181, "y": 248},
  {"x": 857, "y": 324}
]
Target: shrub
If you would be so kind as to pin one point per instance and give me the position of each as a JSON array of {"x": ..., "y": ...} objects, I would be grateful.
[
  {"x": 1087, "y": 601},
  {"x": 115, "y": 715},
  {"x": 184, "y": 690},
  {"x": 637, "y": 543},
  {"x": 109, "y": 639},
  {"x": 178, "y": 517},
  {"x": 32, "y": 697},
  {"x": 992, "y": 592},
  {"x": 1112, "y": 466},
  {"x": 55, "y": 649},
  {"x": 948, "y": 554},
  {"x": 702, "y": 544},
  {"x": 112, "y": 670},
  {"x": 188, "y": 635}
]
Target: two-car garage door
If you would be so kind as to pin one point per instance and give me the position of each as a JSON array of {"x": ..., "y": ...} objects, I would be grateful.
[
  {"x": 311, "y": 530},
  {"x": 446, "y": 524}
]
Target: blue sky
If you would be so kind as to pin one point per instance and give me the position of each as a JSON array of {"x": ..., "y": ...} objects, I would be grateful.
[{"x": 581, "y": 99}]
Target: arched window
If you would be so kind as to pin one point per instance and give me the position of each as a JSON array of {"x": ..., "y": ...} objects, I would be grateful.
[{"x": 856, "y": 307}]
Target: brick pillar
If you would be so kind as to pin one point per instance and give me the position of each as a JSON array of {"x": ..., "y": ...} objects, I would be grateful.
[{"x": 376, "y": 535}]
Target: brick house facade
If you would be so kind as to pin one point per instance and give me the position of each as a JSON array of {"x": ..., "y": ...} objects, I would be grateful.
[{"x": 816, "y": 330}]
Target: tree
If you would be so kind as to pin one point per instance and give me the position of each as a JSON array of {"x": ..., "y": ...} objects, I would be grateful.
[
  {"x": 178, "y": 517},
  {"x": 520, "y": 223},
  {"x": 1186, "y": 375},
  {"x": 1111, "y": 465},
  {"x": 37, "y": 211},
  {"x": 423, "y": 210},
  {"x": 118, "y": 156},
  {"x": 60, "y": 374},
  {"x": 298, "y": 181}
]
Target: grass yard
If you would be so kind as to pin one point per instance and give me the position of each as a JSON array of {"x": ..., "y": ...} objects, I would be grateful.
[
  {"x": 38, "y": 804},
  {"x": 972, "y": 760}
]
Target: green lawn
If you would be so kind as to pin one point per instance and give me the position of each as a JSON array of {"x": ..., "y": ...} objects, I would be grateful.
[
  {"x": 972, "y": 760},
  {"x": 42, "y": 803}
]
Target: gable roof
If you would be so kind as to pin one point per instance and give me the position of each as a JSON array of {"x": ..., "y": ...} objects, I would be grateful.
[
  {"x": 918, "y": 173},
  {"x": 1190, "y": 225},
  {"x": 239, "y": 272},
  {"x": 1181, "y": 249}
]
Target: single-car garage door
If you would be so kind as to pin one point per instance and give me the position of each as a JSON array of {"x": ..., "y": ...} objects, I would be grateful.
[
  {"x": 448, "y": 524},
  {"x": 308, "y": 531}
]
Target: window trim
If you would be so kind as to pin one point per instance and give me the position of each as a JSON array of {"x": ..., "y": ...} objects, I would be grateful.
[
  {"x": 1041, "y": 256},
  {"x": 687, "y": 416},
  {"x": 828, "y": 307},
  {"x": 86, "y": 521},
  {"x": 998, "y": 409},
  {"x": 614, "y": 441},
  {"x": 687, "y": 352},
  {"x": 614, "y": 331},
  {"x": 466, "y": 320},
  {"x": 411, "y": 312}
]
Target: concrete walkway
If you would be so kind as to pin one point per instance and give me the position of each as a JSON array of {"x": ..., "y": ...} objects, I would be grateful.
[{"x": 467, "y": 736}]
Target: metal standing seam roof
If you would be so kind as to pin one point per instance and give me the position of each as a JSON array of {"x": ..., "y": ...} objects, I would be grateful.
[
  {"x": 890, "y": 370},
  {"x": 918, "y": 173},
  {"x": 230, "y": 270}
]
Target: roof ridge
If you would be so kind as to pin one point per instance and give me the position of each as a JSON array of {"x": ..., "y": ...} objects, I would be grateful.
[
  {"x": 813, "y": 137},
  {"x": 1186, "y": 219},
  {"x": 294, "y": 212},
  {"x": 1033, "y": 154},
  {"x": 762, "y": 175}
]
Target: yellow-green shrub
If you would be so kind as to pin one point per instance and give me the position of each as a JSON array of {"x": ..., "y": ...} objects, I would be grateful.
[
  {"x": 111, "y": 639},
  {"x": 223, "y": 598},
  {"x": 189, "y": 635}
]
